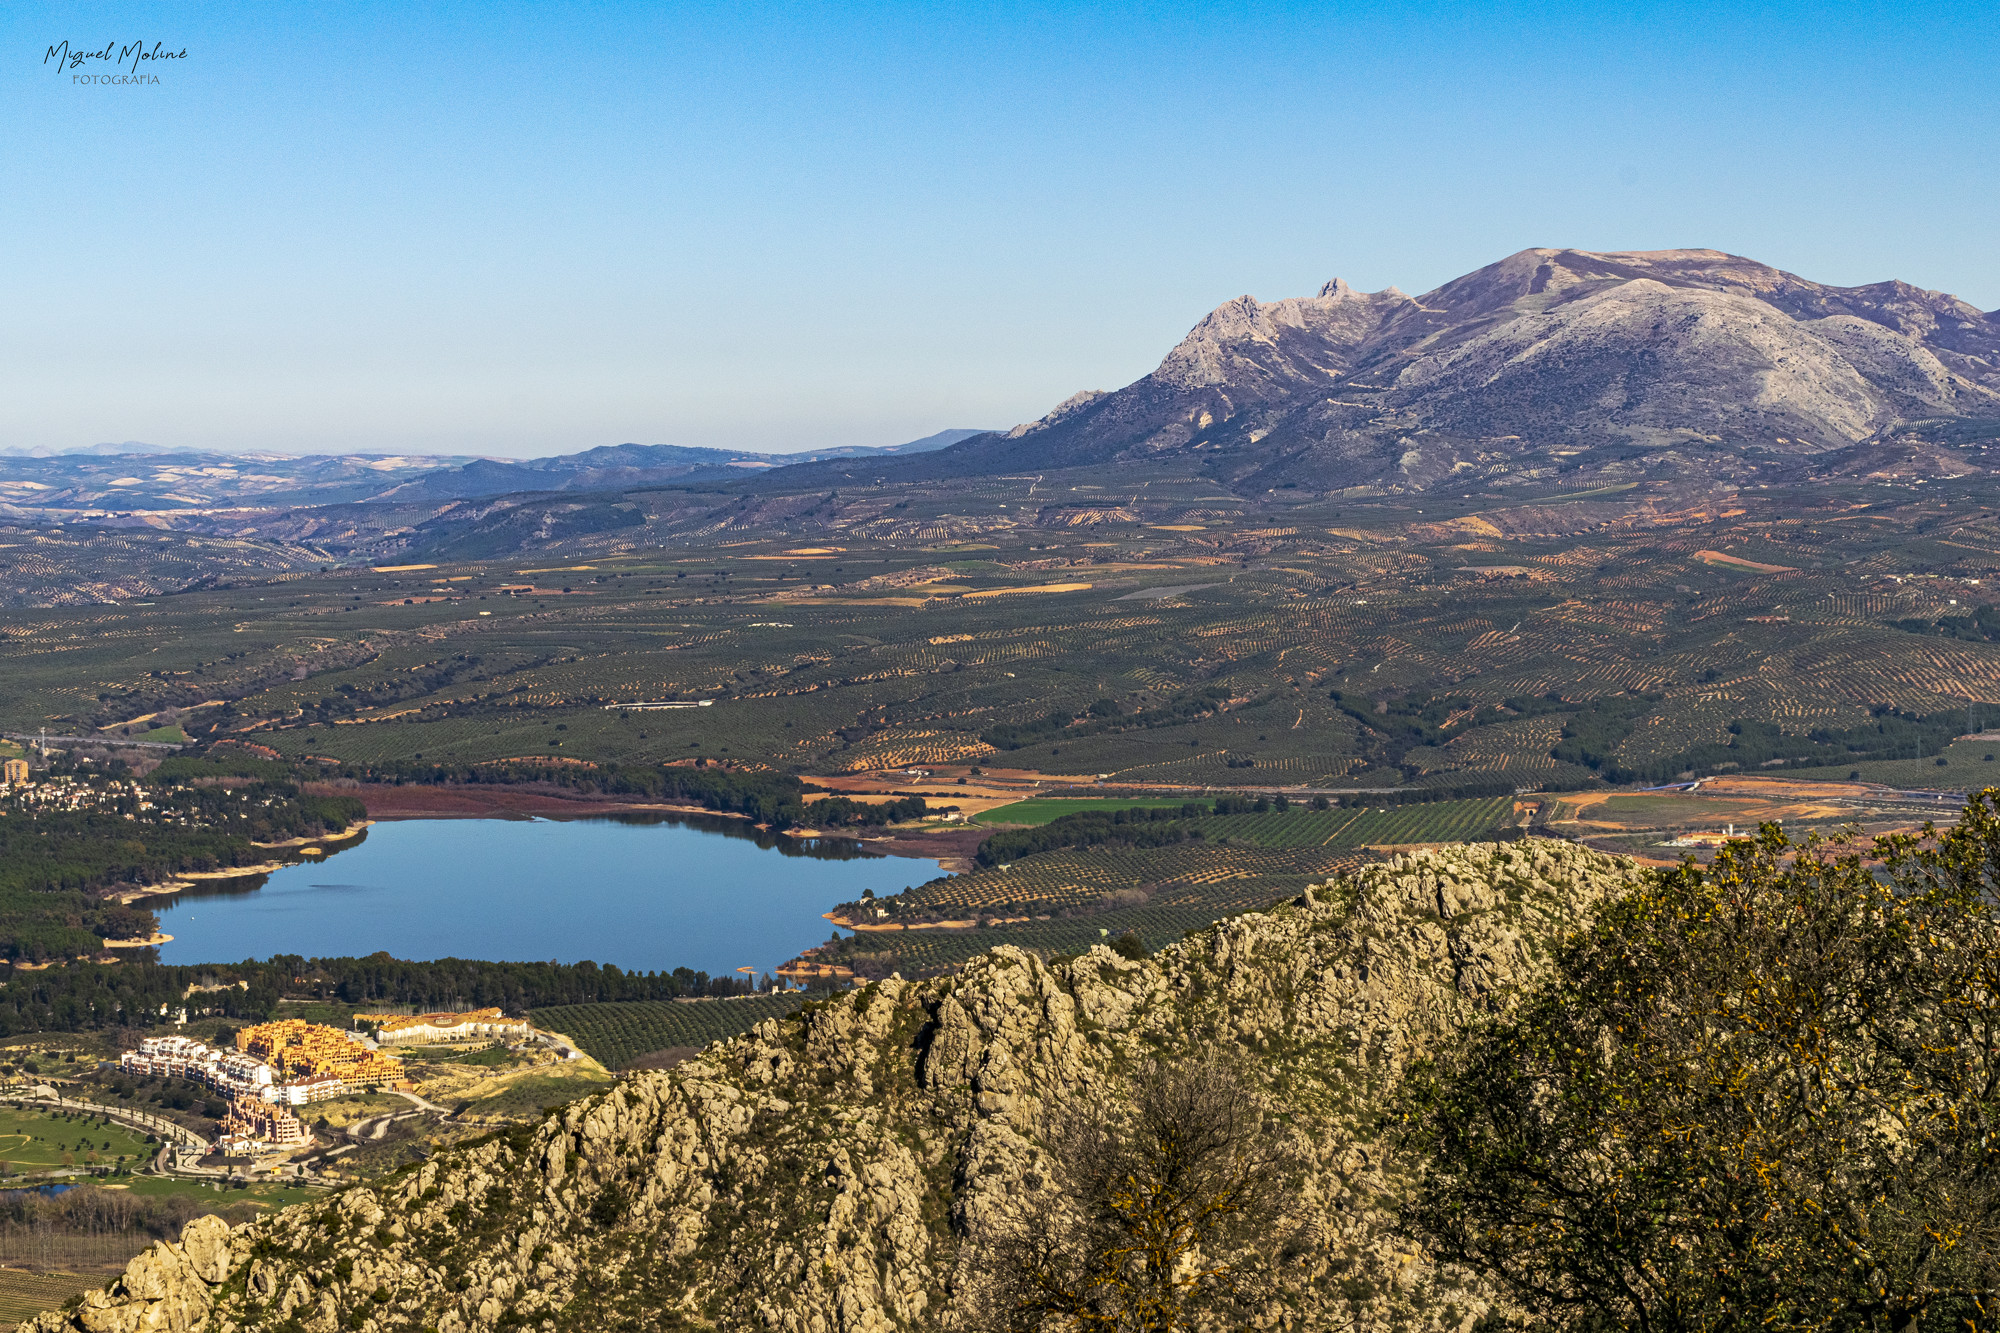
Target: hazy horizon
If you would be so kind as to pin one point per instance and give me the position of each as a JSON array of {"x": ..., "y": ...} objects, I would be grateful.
[{"x": 147, "y": 447}]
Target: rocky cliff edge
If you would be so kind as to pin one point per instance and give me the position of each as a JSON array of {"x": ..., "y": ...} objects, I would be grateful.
[{"x": 835, "y": 1172}]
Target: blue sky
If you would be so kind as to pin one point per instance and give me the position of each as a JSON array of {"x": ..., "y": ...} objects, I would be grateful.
[{"x": 530, "y": 229}]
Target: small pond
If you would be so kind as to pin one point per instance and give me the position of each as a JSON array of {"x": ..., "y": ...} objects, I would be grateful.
[{"x": 645, "y": 893}]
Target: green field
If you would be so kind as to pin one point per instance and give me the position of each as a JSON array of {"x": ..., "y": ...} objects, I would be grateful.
[
  {"x": 34, "y": 1142},
  {"x": 1441, "y": 821},
  {"x": 485, "y": 1055},
  {"x": 525, "y": 1095},
  {"x": 615, "y": 1034}
]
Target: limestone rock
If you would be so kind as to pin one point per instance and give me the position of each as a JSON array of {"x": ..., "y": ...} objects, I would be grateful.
[
  {"x": 836, "y": 1172},
  {"x": 1528, "y": 361}
]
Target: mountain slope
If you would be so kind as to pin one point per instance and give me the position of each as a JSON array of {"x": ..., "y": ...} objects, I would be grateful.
[
  {"x": 843, "y": 1171},
  {"x": 1546, "y": 349}
]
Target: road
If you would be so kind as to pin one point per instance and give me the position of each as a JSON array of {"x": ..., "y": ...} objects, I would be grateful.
[
  {"x": 47, "y": 1096},
  {"x": 420, "y": 1103}
]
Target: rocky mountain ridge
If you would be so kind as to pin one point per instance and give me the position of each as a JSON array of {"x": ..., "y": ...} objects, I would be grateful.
[
  {"x": 1695, "y": 360},
  {"x": 844, "y": 1170}
]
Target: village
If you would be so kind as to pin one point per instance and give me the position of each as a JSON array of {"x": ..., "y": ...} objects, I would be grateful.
[{"x": 19, "y": 785}]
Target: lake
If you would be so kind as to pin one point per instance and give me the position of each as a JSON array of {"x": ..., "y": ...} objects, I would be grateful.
[{"x": 644, "y": 893}]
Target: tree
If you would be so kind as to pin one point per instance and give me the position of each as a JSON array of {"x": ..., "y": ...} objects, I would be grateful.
[
  {"x": 1764, "y": 1094},
  {"x": 1150, "y": 1216}
]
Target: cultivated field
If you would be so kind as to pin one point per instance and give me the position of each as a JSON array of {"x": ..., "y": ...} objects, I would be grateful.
[
  {"x": 25, "y": 1294},
  {"x": 615, "y": 1034},
  {"x": 866, "y": 634}
]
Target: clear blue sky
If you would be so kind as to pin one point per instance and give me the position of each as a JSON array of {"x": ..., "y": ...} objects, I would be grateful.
[{"x": 530, "y": 229}]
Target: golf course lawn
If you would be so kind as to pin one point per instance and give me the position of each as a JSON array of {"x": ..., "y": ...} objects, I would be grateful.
[{"x": 33, "y": 1142}]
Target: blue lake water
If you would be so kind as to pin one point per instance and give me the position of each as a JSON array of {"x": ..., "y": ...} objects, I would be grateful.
[{"x": 646, "y": 895}]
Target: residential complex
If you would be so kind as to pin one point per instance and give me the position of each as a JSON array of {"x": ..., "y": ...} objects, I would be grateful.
[
  {"x": 254, "y": 1126},
  {"x": 290, "y": 1062},
  {"x": 302, "y": 1051},
  {"x": 229, "y": 1072},
  {"x": 286, "y": 1063}
]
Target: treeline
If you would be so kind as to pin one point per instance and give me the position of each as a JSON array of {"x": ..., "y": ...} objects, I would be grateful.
[
  {"x": 777, "y": 799},
  {"x": 53, "y": 861},
  {"x": 1593, "y": 731},
  {"x": 1598, "y": 728},
  {"x": 1982, "y": 626},
  {"x": 1410, "y": 721},
  {"x": 90, "y": 1211},
  {"x": 1142, "y": 827},
  {"x": 36, "y": 927},
  {"x": 382, "y": 979},
  {"x": 1106, "y": 715},
  {"x": 1889, "y": 734},
  {"x": 841, "y": 812},
  {"x": 89, "y": 997},
  {"x": 54, "y": 850},
  {"x": 1420, "y": 720},
  {"x": 768, "y": 798}
]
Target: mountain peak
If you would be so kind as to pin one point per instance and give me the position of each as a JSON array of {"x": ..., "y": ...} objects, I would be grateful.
[{"x": 1622, "y": 348}]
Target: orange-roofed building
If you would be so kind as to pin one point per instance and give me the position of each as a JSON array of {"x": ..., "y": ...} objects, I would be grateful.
[{"x": 300, "y": 1050}]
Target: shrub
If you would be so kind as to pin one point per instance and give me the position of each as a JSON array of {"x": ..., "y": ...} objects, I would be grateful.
[{"x": 1757, "y": 1095}]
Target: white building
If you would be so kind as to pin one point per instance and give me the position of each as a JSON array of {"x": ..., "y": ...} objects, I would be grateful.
[
  {"x": 230, "y": 1072},
  {"x": 306, "y": 1090},
  {"x": 396, "y": 1029}
]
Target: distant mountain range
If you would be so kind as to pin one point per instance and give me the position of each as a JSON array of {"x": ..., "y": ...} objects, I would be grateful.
[
  {"x": 621, "y": 465},
  {"x": 1548, "y": 367},
  {"x": 1693, "y": 360},
  {"x": 141, "y": 478}
]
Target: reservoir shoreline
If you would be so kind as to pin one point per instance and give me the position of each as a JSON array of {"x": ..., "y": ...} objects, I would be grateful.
[
  {"x": 951, "y": 848},
  {"x": 645, "y": 889}
]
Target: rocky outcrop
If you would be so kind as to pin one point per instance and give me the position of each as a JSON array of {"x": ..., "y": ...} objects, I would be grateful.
[
  {"x": 1644, "y": 352},
  {"x": 837, "y": 1171}
]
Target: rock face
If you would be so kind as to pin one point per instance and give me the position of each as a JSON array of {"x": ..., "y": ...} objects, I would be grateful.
[
  {"x": 837, "y": 1171},
  {"x": 1673, "y": 351}
]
